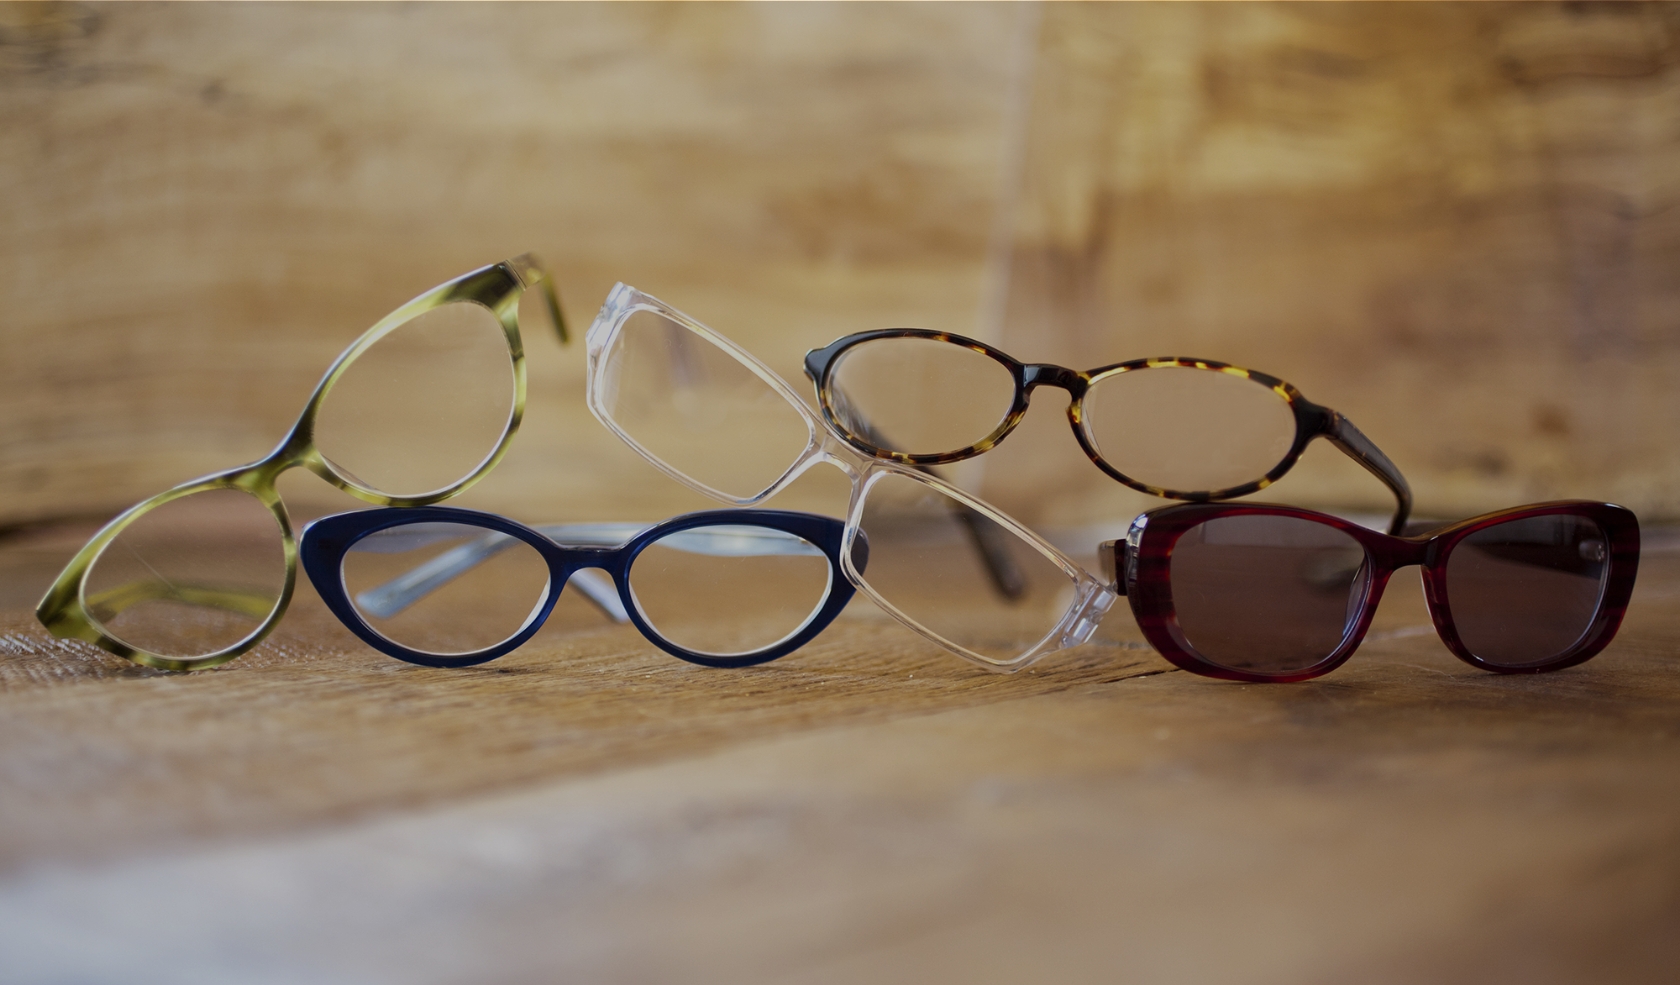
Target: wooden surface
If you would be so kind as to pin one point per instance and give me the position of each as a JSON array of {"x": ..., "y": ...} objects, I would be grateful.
[
  {"x": 868, "y": 809},
  {"x": 1454, "y": 222}
]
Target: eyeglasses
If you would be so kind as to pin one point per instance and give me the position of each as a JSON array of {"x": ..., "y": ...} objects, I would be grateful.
[
  {"x": 1271, "y": 593},
  {"x": 413, "y": 412},
  {"x": 447, "y": 587},
  {"x": 1177, "y": 428},
  {"x": 941, "y": 561}
]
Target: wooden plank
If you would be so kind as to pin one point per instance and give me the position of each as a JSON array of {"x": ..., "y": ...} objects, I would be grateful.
[
  {"x": 866, "y": 808},
  {"x": 205, "y": 204},
  {"x": 1456, "y": 223}
]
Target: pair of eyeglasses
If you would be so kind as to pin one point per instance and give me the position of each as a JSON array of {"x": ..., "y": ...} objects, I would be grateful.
[
  {"x": 1191, "y": 429},
  {"x": 943, "y": 562},
  {"x": 416, "y": 410},
  {"x": 447, "y": 587},
  {"x": 1260, "y": 593}
]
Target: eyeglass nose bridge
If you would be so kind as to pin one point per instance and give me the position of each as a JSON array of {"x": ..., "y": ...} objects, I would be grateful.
[{"x": 1035, "y": 375}]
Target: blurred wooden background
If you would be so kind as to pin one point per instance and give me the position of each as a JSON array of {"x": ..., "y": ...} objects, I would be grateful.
[{"x": 1455, "y": 223}]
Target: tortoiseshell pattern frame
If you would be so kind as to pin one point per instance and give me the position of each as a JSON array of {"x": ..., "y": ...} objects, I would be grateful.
[
  {"x": 499, "y": 287},
  {"x": 1090, "y": 598},
  {"x": 1311, "y": 420},
  {"x": 1141, "y": 567}
]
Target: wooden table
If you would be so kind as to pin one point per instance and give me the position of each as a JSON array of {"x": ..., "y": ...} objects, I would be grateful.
[{"x": 868, "y": 809}]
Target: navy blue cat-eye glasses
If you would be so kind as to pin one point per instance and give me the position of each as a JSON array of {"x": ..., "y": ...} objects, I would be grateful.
[{"x": 448, "y": 587}]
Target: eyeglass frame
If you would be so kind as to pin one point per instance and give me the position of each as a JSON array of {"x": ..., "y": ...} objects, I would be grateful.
[
  {"x": 64, "y": 611},
  {"x": 327, "y": 540},
  {"x": 1092, "y": 596},
  {"x": 1312, "y": 420},
  {"x": 1140, "y": 567}
]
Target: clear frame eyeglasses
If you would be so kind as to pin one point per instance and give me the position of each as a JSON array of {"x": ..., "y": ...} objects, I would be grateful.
[
  {"x": 197, "y": 575},
  {"x": 943, "y": 562},
  {"x": 1177, "y": 428}
]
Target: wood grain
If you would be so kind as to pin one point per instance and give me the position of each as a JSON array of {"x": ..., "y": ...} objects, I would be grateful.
[
  {"x": 867, "y": 808},
  {"x": 1456, "y": 223}
]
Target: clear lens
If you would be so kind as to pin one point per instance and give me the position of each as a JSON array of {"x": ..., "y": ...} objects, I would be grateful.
[
  {"x": 423, "y": 407},
  {"x": 1188, "y": 429},
  {"x": 919, "y": 396},
  {"x": 928, "y": 559},
  {"x": 1267, "y": 594},
  {"x": 729, "y": 590},
  {"x": 445, "y": 588},
  {"x": 1525, "y": 591},
  {"x": 192, "y": 577},
  {"x": 697, "y": 408}
]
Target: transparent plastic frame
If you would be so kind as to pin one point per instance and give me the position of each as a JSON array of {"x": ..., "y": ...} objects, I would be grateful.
[
  {"x": 1091, "y": 598},
  {"x": 64, "y": 609}
]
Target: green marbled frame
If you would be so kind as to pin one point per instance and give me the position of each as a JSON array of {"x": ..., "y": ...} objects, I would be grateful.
[
  {"x": 1312, "y": 420},
  {"x": 67, "y": 611}
]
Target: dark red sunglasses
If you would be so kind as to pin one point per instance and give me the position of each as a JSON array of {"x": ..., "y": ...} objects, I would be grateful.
[{"x": 1249, "y": 592}]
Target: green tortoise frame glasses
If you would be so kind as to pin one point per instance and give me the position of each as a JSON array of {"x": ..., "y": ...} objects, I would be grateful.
[{"x": 197, "y": 575}]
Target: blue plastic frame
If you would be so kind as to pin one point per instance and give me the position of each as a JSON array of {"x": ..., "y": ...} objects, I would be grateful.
[{"x": 325, "y": 542}]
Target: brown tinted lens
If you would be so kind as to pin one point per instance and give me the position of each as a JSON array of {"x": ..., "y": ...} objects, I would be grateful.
[
  {"x": 1267, "y": 594},
  {"x": 1524, "y": 592}
]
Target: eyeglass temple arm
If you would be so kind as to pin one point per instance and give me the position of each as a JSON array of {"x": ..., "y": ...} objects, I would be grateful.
[
  {"x": 533, "y": 273},
  {"x": 404, "y": 590},
  {"x": 1341, "y": 433},
  {"x": 1112, "y": 555},
  {"x": 989, "y": 540}
]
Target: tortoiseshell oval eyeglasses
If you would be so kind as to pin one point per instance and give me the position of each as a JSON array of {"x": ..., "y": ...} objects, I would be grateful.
[
  {"x": 417, "y": 409},
  {"x": 1191, "y": 429}
]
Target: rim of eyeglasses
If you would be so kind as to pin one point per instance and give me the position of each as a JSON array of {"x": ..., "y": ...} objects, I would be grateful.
[
  {"x": 1141, "y": 569},
  {"x": 64, "y": 609},
  {"x": 328, "y": 540},
  {"x": 1312, "y": 420}
]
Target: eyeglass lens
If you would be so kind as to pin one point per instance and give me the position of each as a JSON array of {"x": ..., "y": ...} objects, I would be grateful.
[
  {"x": 697, "y": 408},
  {"x": 919, "y": 396},
  {"x": 191, "y": 577},
  {"x": 1188, "y": 429},
  {"x": 1266, "y": 594},
  {"x": 1525, "y": 591},
  {"x": 923, "y": 562},
  {"x": 497, "y": 584},
  {"x": 423, "y": 407},
  {"x": 713, "y": 590}
]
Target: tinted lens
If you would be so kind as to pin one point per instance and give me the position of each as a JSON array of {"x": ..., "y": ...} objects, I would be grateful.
[
  {"x": 697, "y": 408},
  {"x": 1188, "y": 430},
  {"x": 928, "y": 559},
  {"x": 919, "y": 396},
  {"x": 1525, "y": 591},
  {"x": 192, "y": 577},
  {"x": 729, "y": 590},
  {"x": 424, "y": 406},
  {"x": 445, "y": 588},
  {"x": 1267, "y": 594}
]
